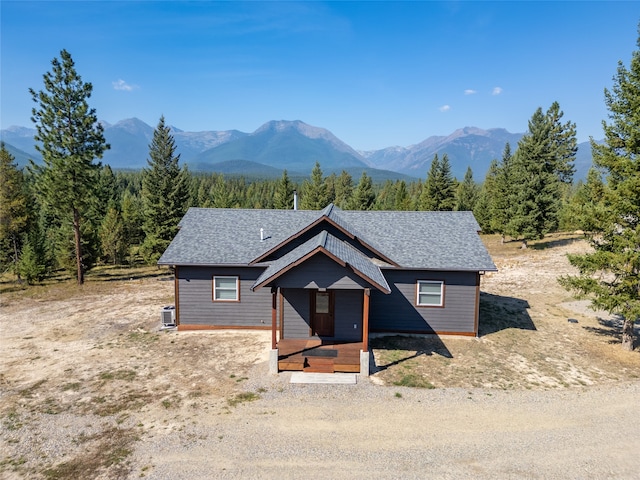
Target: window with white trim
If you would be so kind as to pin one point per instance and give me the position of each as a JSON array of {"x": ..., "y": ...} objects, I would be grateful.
[
  {"x": 430, "y": 293},
  {"x": 226, "y": 289}
]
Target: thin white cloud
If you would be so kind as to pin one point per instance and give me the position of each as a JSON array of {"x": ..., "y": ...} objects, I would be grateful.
[
  {"x": 445, "y": 108},
  {"x": 124, "y": 86},
  {"x": 470, "y": 91},
  {"x": 496, "y": 91}
]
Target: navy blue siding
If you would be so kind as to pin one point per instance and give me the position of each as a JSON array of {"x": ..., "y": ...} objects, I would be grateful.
[
  {"x": 397, "y": 312},
  {"x": 320, "y": 271},
  {"x": 348, "y": 311},
  {"x": 196, "y": 307},
  {"x": 296, "y": 304}
]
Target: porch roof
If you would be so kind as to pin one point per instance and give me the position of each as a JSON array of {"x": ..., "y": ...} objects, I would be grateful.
[{"x": 334, "y": 248}]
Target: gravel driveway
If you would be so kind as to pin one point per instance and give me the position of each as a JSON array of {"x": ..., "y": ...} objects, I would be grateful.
[{"x": 370, "y": 431}]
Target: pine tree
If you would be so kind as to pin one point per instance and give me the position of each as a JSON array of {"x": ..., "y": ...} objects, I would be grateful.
[
  {"x": 610, "y": 275},
  {"x": 165, "y": 193},
  {"x": 112, "y": 236},
  {"x": 131, "y": 210},
  {"x": 223, "y": 193},
  {"x": 402, "y": 200},
  {"x": 585, "y": 209},
  {"x": 13, "y": 209},
  {"x": 386, "y": 197},
  {"x": 33, "y": 261},
  {"x": 343, "y": 189},
  {"x": 283, "y": 198},
  {"x": 543, "y": 161},
  {"x": 484, "y": 205},
  {"x": 330, "y": 183},
  {"x": 428, "y": 200},
  {"x": 467, "y": 193},
  {"x": 314, "y": 192},
  {"x": 448, "y": 185},
  {"x": 438, "y": 192},
  {"x": 363, "y": 196},
  {"x": 565, "y": 143},
  {"x": 502, "y": 200},
  {"x": 69, "y": 138}
]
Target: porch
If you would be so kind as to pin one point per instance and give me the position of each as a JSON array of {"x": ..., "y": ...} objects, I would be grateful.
[{"x": 311, "y": 355}]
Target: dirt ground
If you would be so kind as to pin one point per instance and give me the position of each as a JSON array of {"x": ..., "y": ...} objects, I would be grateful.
[
  {"x": 533, "y": 334},
  {"x": 89, "y": 383}
]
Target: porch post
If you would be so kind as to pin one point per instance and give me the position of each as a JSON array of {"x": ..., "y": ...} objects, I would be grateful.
[
  {"x": 274, "y": 317},
  {"x": 273, "y": 354},
  {"x": 365, "y": 320},
  {"x": 364, "y": 353}
]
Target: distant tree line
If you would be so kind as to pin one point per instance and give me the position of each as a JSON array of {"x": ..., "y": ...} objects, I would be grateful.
[{"x": 72, "y": 213}]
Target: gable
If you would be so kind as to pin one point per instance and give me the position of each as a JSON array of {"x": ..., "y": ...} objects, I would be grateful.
[
  {"x": 320, "y": 271},
  {"x": 349, "y": 259},
  {"x": 333, "y": 223}
]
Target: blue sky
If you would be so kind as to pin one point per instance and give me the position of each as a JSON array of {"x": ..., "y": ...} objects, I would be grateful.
[{"x": 376, "y": 74}]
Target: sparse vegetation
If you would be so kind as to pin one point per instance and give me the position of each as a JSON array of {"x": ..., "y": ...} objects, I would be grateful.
[
  {"x": 119, "y": 372},
  {"x": 104, "y": 452},
  {"x": 242, "y": 398}
]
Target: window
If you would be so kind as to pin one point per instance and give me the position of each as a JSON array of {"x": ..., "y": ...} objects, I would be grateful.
[
  {"x": 225, "y": 289},
  {"x": 430, "y": 293}
]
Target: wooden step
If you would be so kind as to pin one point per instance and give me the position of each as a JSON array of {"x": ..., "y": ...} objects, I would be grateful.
[{"x": 318, "y": 365}]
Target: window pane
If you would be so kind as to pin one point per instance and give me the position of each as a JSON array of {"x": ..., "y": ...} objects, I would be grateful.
[
  {"x": 322, "y": 302},
  {"x": 433, "y": 288},
  {"x": 429, "y": 299},
  {"x": 226, "y": 282},
  {"x": 226, "y": 294}
]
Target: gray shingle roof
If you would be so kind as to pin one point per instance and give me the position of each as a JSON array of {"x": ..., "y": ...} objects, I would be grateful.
[
  {"x": 420, "y": 240},
  {"x": 340, "y": 249}
]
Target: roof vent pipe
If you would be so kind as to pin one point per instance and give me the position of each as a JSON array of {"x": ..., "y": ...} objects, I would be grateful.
[
  {"x": 262, "y": 234},
  {"x": 295, "y": 200}
]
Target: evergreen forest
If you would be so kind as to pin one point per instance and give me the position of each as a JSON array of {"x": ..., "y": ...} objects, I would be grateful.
[{"x": 71, "y": 213}]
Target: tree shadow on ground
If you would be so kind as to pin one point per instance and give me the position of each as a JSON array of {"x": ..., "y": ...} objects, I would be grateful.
[
  {"x": 118, "y": 275},
  {"x": 554, "y": 242},
  {"x": 500, "y": 313},
  {"x": 612, "y": 328},
  {"x": 406, "y": 348}
]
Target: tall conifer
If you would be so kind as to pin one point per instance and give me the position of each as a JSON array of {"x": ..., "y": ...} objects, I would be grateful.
[
  {"x": 165, "y": 193},
  {"x": 69, "y": 138},
  {"x": 439, "y": 190},
  {"x": 610, "y": 275},
  {"x": 363, "y": 196},
  {"x": 502, "y": 200},
  {"x": 284, "y": 193},
  {"x": 544, "y": 159},
  {"x": 344, "y": 189},
  {"x": 314, "y": 191},
  {"x": 467, "y": 193},
  {"x": 13, "y": 209}
]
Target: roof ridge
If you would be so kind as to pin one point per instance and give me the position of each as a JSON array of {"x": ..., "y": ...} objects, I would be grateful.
[
  {"x": 326, "y": 211},
  {"x": 322, "y": 241}
]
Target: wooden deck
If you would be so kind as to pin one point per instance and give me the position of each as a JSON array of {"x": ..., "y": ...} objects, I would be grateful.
[{"x": 318, "y": 356}]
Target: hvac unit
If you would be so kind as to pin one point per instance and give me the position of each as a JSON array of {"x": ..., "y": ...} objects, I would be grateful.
[{"x": 168, "y": 316}]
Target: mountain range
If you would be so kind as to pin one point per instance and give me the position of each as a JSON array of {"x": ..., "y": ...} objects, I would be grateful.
[{"x": 295, "y": 146}]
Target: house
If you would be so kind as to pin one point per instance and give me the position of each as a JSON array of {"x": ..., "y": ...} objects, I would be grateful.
[{"x": 323, "y": 281}]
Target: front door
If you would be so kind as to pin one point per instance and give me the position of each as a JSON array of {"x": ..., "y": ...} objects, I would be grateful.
[{"x": 322, "y": 305}]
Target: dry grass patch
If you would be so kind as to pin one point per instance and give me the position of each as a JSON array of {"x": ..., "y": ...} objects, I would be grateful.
[
  {"x": 525, "y": 341},
  {"x": 104, "y": 454},
  {"x": 93, "y": 359}
]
